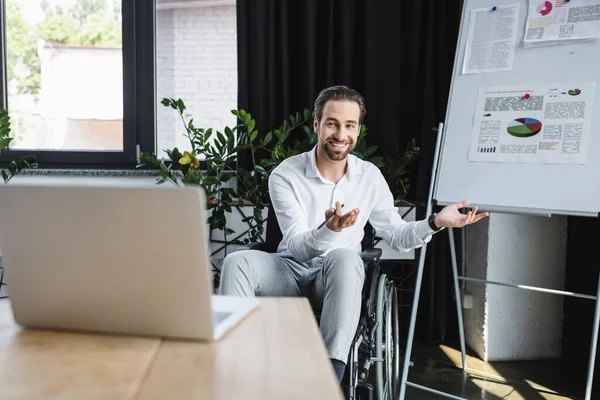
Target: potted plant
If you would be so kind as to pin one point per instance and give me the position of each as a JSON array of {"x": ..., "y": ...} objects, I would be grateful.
[
  {"x": 396, "y": 170},
  {"x": 219, "y": 156},
  {"x": 14, "y": 167},
  {"x": 209, "y": 162}
]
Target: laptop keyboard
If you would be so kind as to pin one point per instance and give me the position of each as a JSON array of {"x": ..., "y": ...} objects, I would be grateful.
[{"x": 220, "y": 316}]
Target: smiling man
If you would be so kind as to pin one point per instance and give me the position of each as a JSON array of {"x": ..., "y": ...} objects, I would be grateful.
[{"x": 322, "y": 261}]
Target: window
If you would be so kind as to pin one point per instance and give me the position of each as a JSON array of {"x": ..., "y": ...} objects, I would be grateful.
[
  {"x": 79, "y": 80},
  {"x": 196, "y": 60}
]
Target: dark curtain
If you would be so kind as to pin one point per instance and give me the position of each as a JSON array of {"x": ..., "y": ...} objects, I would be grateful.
[
  {"x": 581, "y": 276},
  {"x": 399, "y": 55}
]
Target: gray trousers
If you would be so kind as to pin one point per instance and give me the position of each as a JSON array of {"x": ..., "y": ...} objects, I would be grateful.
[{"x": 333, "y": 284}]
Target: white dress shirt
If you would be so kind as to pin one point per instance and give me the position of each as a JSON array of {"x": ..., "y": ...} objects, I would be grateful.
[{"x": 300, "y": 196}]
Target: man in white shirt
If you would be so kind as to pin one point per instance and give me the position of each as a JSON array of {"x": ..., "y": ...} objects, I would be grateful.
[{"x": 322, "y": 262}]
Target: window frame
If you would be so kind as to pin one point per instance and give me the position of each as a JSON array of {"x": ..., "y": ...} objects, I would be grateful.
[{"x": 139, "y": 96}]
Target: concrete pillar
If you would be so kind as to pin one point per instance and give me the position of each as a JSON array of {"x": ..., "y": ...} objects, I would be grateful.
[{"x": 507, "y": 323}]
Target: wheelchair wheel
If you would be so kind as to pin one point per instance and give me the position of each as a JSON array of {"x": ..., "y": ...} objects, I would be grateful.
[{"x": 387, "y": 341}]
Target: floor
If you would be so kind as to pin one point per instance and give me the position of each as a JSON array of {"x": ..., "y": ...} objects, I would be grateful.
[{"x": 438, "y": 367}]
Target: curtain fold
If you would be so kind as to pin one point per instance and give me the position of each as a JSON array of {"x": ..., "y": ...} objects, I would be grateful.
[{"x": 399, "y": 55}]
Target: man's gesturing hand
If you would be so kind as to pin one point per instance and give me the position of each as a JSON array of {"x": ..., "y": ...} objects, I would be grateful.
[
  {"x": 339, "y": 221},
  {"x": 451, "y": 217}
]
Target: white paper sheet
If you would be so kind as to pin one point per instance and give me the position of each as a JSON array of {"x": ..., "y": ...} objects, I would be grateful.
[
  {"x": 491, "y": 39},
  {"x": 551, "y": 126},
  {"x": 551, "y": 22}
]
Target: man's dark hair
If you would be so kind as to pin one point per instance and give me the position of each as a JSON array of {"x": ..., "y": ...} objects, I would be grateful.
[{"x": 339, "y": 92}]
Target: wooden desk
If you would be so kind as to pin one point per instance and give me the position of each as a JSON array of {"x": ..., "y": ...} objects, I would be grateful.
[{"x": 275, "y": 353}]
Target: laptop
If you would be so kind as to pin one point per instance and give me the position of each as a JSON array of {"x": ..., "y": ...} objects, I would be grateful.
[{"x": 105, "y": 256}]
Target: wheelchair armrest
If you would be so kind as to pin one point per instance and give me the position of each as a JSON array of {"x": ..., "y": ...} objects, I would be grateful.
[
  {"x": 253, "y": 246},
  {"x": 371, "y": 255}
]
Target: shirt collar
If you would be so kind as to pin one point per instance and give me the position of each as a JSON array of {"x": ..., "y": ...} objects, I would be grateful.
[
  {"x": 311, "y": 167},
  {"x": 353, "y": 167}
]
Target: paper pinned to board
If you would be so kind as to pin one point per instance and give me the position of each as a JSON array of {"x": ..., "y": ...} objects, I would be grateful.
[
  {"x": 547, "y": 123},
  {"x": 552, "y": 22},
  {"x": 491, "y": 39}
]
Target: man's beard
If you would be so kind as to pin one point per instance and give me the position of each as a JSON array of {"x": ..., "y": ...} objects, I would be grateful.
[{"x": 337, "y": 155}]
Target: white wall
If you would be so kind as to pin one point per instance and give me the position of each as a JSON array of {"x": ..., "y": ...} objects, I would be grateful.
[
  {"x": 197, "y": 62},
  {"x": 81, "y": 82},
  {"x": 81, "y": 100},
  {"x": 514, "y": 324}
]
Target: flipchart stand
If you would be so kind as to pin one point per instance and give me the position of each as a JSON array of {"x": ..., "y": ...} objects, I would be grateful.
[{"x": 404, "y": 379}]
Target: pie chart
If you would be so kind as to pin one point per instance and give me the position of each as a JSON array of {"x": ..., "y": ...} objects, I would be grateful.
[
  {"x": 524, "y": 127},
  {"x": 544, "y": 8},
  {"x": 575, "y": 92}
]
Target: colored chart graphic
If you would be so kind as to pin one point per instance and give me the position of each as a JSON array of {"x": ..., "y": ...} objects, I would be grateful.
[
  {"x": 574, "y": 92},
  {"x": 524, "y": 127},
  {"x": 544, "y": 8}
]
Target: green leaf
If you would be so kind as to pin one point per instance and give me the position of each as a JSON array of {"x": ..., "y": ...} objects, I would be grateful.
[
  {"x": 268, "y": 138},
  {"x": 30, "y": 159},
  {"x": 4, "y": 130},
  {"x": 229, "y": 134},
  {"x": 378, "y": 161},
  {"x": 309, "y": 132},
  {"x": 226, "y": 176},
  {"x": 246, "y": 118},
  {"x": 307, "y": 114},
  {"x": 180, "y": 105},
  {"x": 254, "y": 135},
  {"x": 230, "y": 140},
  {"x": 260, "y": 170},
  {"x": 221, "y": 138},
  {"x": 221, "y": 221},
  {"x": 251, "y": 125},
  {"x": 370, "y": 150},
  {"x": 210, "y": 180},
  {"x": 4, "y": 143}
]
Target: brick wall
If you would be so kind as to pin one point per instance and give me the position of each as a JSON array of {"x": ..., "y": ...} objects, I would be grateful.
[{"x": 197, "y": 62}]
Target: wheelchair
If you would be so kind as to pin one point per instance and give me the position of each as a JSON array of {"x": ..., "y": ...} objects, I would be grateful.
[{"x": 375, "y": 359}]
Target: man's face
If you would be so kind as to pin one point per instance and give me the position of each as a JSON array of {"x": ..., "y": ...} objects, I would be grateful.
[{"x": 338, "y": 129}]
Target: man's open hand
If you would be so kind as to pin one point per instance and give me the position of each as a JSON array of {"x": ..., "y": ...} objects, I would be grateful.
[
  {"x": 451, "y": 217},
  {"x": 340, "y": 221}
]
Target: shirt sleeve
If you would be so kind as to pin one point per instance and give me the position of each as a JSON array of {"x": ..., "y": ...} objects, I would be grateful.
[
  {"x": 399, "y": 234},
  {"x": 303, "y": 243}
]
